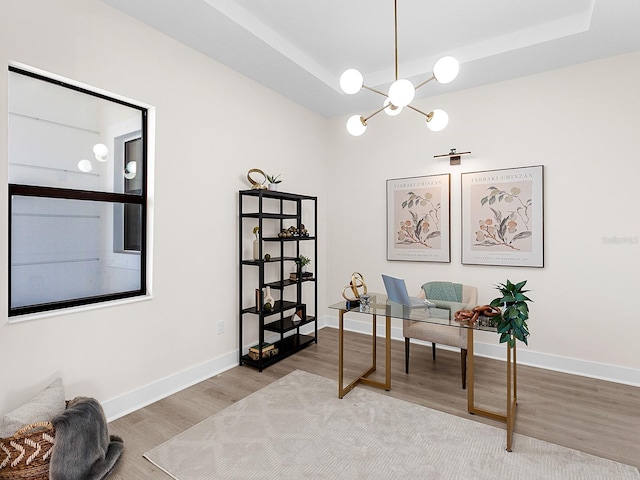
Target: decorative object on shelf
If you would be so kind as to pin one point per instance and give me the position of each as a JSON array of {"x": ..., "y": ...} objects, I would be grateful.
[
  {"x": 268, "y": 300},
  {"x": 256, "y": 244},
  {"x": 255, "y": 185},
  {"x": 302, "y": 263},
  {"x": 296, "y": 318},
  {"x": 259, "y": 300},
  {"x": 502, "y": 217},
  {"x": 293, "y": 232},
  {"x": 273, "y": 182},
  {"x": 357, "y": 281},
  {"x": 512, "y": 322},
  {"x": 454, "y": 157},
  {"x": 418, "y": 218},
  {"x": 401, "y": 92}
]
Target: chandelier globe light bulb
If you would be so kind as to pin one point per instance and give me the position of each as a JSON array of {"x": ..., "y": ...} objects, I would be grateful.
[
  {"x": 438, "y": 121},
  {"x": 391, "y": 109},
  {"x": 100, "y": 151},
  {"x": 355, "y": 126},
  {"x": 446, "y": 69},
  {"x": 351, "y": 81},
  {"x": 85, "y": 166},
  {"x": 130, "y": 171},
  {"x": 401, "y": 92}
]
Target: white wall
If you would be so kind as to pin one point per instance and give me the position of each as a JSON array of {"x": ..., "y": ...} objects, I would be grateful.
[
  {"x": 582, "y": 124},
  {"x": 212, "y": 126}
]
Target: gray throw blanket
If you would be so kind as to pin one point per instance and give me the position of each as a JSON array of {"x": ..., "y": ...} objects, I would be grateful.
[{"x": 83, "y": 449}]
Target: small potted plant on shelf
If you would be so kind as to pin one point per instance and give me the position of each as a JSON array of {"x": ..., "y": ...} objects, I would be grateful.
[
  {"x": 512, "y": 321},
  {"x": 273, "y": 181},
  {"x": 302, "y": 262}
]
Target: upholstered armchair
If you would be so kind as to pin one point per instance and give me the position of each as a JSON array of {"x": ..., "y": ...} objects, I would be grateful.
[{"x": 443, "y": 334}]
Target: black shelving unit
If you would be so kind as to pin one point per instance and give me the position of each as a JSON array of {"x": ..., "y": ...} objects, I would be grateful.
[{"x": 273, "y": 212}]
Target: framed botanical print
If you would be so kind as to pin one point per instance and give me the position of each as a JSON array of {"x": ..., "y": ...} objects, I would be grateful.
[
  {"x": 418, "y": 219},
  {"x": 502, "y": 217}
]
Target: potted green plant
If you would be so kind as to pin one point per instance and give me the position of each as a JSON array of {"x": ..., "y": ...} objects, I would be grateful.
[
  {"x": 512, "y": 320},
  {"x": 302, "y": 262},
  {"x": 273, "y": 181}
]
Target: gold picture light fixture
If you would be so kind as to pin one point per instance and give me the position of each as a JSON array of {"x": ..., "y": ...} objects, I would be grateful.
[
  {"x": 454, "y": 156},
  {"x": 401, "y": 92}
]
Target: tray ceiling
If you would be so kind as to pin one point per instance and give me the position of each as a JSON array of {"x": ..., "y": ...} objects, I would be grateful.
[{"x": 299, "y": 48}]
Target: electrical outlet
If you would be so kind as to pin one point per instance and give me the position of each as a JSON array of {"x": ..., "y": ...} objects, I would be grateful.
[{"x": 220, "y": 327}]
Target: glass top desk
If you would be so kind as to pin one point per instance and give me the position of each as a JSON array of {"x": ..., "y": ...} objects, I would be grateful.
[{"x": 441, "y": 314}]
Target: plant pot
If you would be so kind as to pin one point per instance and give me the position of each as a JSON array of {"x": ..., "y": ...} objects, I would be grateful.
[{"x": 273, "y": 187}]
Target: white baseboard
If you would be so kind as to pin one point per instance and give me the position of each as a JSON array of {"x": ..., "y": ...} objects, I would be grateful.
[
  {"x": 148, "y": 394},
  {"x": 152, "y": 392}
]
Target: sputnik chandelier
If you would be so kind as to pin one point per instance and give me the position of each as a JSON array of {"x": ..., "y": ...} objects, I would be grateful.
[{"x": 401, "y": 92}]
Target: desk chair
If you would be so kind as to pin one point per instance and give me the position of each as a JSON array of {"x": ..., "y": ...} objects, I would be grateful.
[{"x": 454, "y": 337}]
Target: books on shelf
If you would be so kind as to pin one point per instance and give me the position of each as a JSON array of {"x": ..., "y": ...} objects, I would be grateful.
[
  {"x": 305, "y": 276},
  {"x": 265, "y": 347},
  {"x": 268, "y": 350}
]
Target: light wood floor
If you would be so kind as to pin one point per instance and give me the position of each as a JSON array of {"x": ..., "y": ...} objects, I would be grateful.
[{"x": 594, "y": 416}]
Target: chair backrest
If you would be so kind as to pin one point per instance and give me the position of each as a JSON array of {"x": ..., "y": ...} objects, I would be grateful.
[{"x": 452, "y": 292}]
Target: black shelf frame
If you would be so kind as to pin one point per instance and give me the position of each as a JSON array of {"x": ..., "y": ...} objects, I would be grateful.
[{"x": 278, "y": 320}]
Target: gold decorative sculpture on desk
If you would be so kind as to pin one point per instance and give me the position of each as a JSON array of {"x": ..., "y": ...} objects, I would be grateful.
[{"x": 357, "y": 281}]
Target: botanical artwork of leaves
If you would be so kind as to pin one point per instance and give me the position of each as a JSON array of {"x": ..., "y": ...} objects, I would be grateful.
[
  {"x": 419, "y": 219},
  {"x": 504, "y": 218}
]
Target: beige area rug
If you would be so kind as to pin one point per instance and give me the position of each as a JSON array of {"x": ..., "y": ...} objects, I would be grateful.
[{"x": 297, "y": 428}]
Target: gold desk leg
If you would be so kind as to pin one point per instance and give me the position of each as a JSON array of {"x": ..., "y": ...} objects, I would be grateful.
[
  {"x": 388, "y": 351},
  {"x": 470, "y": 372},
  {"x": 374, "y": 336},
  {"x": 342, "y": 391},
  {"x": 510, "y": 416},
  {"x": 512, "y": 398}
]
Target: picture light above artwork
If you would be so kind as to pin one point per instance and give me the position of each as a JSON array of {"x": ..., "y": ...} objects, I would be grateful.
[{"x": 454, "y": 156}]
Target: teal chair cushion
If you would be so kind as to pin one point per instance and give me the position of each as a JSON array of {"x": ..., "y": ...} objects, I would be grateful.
[{"x": 447, "y": 291}]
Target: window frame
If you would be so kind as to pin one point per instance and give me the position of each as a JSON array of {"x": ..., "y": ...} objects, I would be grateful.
[{"x": 21, "y": 190}]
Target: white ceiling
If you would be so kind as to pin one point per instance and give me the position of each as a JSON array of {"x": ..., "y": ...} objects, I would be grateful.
[{"x": 299, "y": 48}]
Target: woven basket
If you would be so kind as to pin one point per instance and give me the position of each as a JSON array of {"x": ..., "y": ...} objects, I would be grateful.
[{"x": 26, "y": 455}]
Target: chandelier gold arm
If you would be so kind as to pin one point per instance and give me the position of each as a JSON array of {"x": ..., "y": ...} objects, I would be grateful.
[
  {"x": 364, "y": 120},
  {"x": 428, "y": 115},
  {"x": 433, "y": 77},
  {"x": 375, "y": 91}
]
